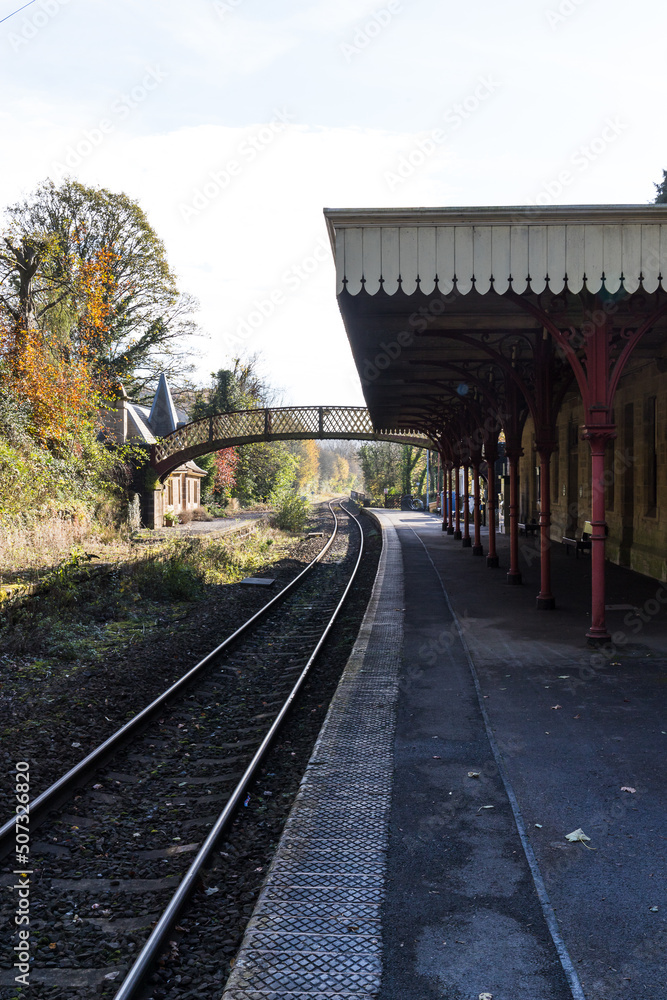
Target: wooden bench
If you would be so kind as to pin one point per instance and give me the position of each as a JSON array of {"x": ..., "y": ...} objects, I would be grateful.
[
  {"x": 581, "y": 544},
  {"x": 528, "y": 527}
]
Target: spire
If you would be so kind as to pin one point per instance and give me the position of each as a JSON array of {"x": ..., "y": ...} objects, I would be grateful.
[{"x": 163, "y": 419}]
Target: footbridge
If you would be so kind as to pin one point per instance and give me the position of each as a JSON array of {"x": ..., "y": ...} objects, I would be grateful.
[{"x": 286, "y": 423}]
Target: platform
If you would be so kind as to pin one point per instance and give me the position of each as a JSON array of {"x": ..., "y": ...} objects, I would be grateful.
[{"x": 425, "y": 856}]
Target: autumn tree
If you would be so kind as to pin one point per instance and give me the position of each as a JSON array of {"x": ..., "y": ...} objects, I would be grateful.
[
  {"x": 308, "y": 470},
  {"x": 225, "y": 462},
  {"x": 55, "y": 378},
  {"x": 59, "y": 230}
]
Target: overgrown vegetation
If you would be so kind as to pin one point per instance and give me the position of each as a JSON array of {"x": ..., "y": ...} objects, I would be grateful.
[
  {"x": 53, "y": 494},
  {"x": 82, "y": 610},
  {"x": 86, "y": 298}
]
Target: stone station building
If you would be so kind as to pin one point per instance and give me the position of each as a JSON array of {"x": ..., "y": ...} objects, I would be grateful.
[{"x": 135, "y": 423}]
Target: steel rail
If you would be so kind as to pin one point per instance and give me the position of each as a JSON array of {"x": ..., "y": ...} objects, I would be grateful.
[
  {"x": 146, "y": 957},
  {"x": 94, "y": 758}
]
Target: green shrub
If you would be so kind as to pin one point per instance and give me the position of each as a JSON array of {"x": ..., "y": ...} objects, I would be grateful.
[{"x": 291, "y": 512}]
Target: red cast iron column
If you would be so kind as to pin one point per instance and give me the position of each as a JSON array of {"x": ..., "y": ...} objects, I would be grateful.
[
  {"x": 513, "y": 573},
  {"x": 545, "y": 599},
  {"x": 598, "y": 435},
  {"x": 477, "y": 549},
  {"x": 467, "y": 540}
]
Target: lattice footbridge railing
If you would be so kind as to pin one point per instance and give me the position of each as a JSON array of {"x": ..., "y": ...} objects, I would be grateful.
[{"x": 227, "y": 430}]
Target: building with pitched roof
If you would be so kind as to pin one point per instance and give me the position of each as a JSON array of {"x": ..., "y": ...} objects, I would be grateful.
[{"x": 136, "y": 423}]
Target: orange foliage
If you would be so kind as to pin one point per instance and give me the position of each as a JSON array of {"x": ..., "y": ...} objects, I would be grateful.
[
  {"x": 59, "y": 381},
  {"x": 95, "y": 285},
  {"x": 225, "y": 463}
]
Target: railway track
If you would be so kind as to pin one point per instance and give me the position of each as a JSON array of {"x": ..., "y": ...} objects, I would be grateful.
[{"x": 112, "y": 871}]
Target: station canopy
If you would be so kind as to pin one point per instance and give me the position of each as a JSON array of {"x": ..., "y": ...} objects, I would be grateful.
[{"x": 430, "y": 295}]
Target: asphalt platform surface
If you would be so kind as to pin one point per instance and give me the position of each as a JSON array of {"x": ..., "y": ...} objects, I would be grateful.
[{"x": 510, "y": 734}]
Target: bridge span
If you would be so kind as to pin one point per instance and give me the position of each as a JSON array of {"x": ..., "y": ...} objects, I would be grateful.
[{"x": 285, "y": 423}]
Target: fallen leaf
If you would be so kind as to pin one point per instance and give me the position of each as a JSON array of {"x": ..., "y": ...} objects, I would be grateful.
[
  {"x": 554, "y": 707},
  {"x": 654, "y": 909},
  {"x": 576, "y": 716},
  {"x": 98, "y": 786},
  {"x": 563, "y": 677},
  {"x": 485, "y": 807},
  {"x": 53, "y": 946},
  {"x": 579, "y": 835},
  {"x": 437, "y": 758},
  {"x": 627, "y": 788},
  {"x": 211, "y": 890},
  {"x": 76, "y": 744},
  {"x": 474, "y": 774},
  {"x": 112, "y": 975}
]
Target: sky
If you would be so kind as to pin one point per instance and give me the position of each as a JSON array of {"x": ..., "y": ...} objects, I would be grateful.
[{"x": 235, "y": 122}]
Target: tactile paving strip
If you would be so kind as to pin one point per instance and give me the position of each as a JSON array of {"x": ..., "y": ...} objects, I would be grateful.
[{"x": 316, "y": 931}]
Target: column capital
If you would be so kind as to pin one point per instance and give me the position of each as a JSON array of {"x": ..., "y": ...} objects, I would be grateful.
[
  {"x": 598, "y": 435},
  {"x": 545, "y": 447}
]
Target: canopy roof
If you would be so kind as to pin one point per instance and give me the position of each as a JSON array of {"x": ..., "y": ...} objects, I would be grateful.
[
  {"x": 428, "y": 295},
  {"x": 500, "y": 248}
]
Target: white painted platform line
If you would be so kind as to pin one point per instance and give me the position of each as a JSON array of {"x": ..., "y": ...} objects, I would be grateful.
[{"x": 316, "y": 931}]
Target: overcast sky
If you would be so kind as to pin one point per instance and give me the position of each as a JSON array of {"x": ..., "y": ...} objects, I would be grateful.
[{"x": 234, "y": 122}]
